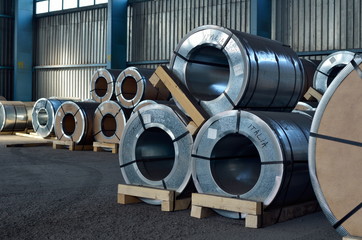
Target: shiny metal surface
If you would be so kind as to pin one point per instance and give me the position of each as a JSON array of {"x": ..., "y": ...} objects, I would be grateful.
[
  {"x": 303, "y": 106},
  {"x": 155, "y": 150},
  {"x": 260, "y": 156},
  {"x": 74, "y": 122},
  {"x": 329, "y": 68},
  {"x": 109, "y": 122},
  {"x": 227, "y": 69},
  {"x": 310, "y": 67},
  {"x": 15, "y": 116},
  {"x": 103, "y": 83},
  {"x": 132, "y": 87},
  {"x": 323, "y": 105},
  {"x": 43, "y": 114}
]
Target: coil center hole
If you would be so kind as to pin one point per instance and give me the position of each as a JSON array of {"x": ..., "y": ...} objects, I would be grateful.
[
  {"x": 155, "y": 154},
  {"x": 68, "y": 124},
  {"x": 235, "y": 164},
  {"x": 334, "y": 72},
  {"x": 109, "y": 125},
  {"x": 101, "y": 86},
  {"x": 207, "y": 73},
  {"x": 129, "y": 88},
  {"x": 43, "y": 117}
]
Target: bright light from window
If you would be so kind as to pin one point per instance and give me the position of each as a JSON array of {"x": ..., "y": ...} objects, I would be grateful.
[
  {"x": 101, "y": 1},
  {"x": 41, "y": 7},
  {"x": 70, "y": 4},
  {"x": 55, "y": 5},
  {"x": 83, "y": 3}
]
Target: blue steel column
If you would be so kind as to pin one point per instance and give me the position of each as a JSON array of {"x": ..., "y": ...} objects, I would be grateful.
[
  {"x": 260, "y": 18},
  {"x": 23, "y": 50},
  {"x": 117, "y": 34}
]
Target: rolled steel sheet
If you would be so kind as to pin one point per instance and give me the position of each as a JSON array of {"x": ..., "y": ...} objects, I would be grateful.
[
  {"x": 227, "y": 69},
  {"x": 15, "y": 116},
  {"x": 144, "y": 103},
  {"x": 43, "y": 114},
  {"x": 132, "y": 87},
  {"x": 103, "y": 83},
  {"x": 310, "y": 68},
  {"x": 259, "y": 156},
  {"x": 109, "y": 122},
  {"x": 155, "y": 150},
  {"x": 74, "y": 122},
  {"x": 335, "y": 151},
  {"x": 329, "y": 68}
]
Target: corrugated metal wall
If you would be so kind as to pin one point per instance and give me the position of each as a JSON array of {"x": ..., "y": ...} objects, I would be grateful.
[
  {"x": 155, "y": 27},
  {"x": 6, "y": 47},
  {"x": 76, "y": 38},
  {"x": 317, "y": 25}
]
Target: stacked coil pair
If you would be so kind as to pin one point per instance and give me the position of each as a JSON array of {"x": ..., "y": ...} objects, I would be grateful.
[{"x": 250, "y": 152}]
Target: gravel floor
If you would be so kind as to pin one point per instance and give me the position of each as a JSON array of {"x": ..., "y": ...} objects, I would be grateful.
[{"x": 59, "y": 194}]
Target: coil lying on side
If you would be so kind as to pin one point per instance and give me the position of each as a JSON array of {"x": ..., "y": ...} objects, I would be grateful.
[
  {"x": 103, "y": 83},
  {"x": 259, "y": 156},
  {"x": 43, "y": 115},
  {"x": 227, "y": 69},
  {"x": 74, "y": 122},
  {"x": 15, "y": 116},
  {"x": 329, "y": 68},
  {"x": 335, "y": 151},
  {"x": 155, "y": 150},
  {"x": 133, "y": 86},
  {"x": 109, "y": 122},
  {"x": 310, "y": 68}
]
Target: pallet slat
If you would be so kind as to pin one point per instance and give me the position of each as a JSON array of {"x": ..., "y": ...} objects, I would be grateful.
[
  {"x": 72, "y": 146},
  {"x": 100, "y": 146},
  {"x": 313, "y": 94}
]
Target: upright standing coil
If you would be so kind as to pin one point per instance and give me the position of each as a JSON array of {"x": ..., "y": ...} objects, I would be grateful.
[
  {"x": 15, "y": 116},
  {"x": 335, "y": 151},
  {"x": 43, "y": 115},
  {"x": 109, "y": 122},
  {"x": 259, "y": 156},
  {"x": 102, "y": 84},
  {"x": 328, "y": 69},
  {"x": 155, "y": 150},
  {"x": 74, "y": 122},
  {"x": 227, "y": 69},
  {"x": 133, "y": 86}
]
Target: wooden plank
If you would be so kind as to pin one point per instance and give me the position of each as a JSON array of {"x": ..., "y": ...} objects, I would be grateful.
[
  {"x": 182, "y": 204},
  {"x": 99, "y": 147},
  {"x": 352, "y": 238},
  {"x": 201, "y": 212},
  {"x": 253, "y": 221},
  {"x": 271, "y": 217},
  {"x": 72, "y": 146},
  {"x": 313, "y": 94},
  {"x": 163, "y": 76},
  {"x": 228, "y": 204},
  {"x": 126, "y": 199},
  {"x": 145, "y": 192}
]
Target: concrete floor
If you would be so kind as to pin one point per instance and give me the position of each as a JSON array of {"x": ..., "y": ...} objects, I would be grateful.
[{"x": 59, "y": 194}]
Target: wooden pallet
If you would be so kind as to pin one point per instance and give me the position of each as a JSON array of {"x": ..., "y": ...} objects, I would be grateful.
[
  {"x": 71, "y": 145},
  {"x": 313, "y": 94},
  {"x": 128, "y": 194},
  {"x": 256, "y": 216},
  {"x": 352, "y": 238},
  {"x": 99, "y": 147}
]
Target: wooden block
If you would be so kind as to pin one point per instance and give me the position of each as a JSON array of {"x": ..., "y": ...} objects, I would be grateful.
[
  {"x": 228, "y": 204},
  {"x": 126, "y": 199},
  {"x": 201, "y": 212},
  {"x": 313, "y": 94},
  {"x": 99, "y": 146},
  {"x": 193, "y": 128},
  {"x": 273, "y": 216},
  {"x": 182, "y": 204},
  {"x": 253, "y": 221},
  {"x": 180, "y": 93},
  {"x": 145, "y": 192},
  {"x": 352, "y": 238}
]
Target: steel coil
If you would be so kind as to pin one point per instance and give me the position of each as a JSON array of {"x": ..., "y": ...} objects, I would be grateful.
[
  {"x": 328, "y": 69},
  {"x": 15, "y": 116},
  {"x": 227, "y": 69},
  {"x": 310, "y": 68},
  {"x": 133, "y": 86},
  {"x": 155, "y": 150},
  {"x": 335, "y": 151},
  {"x": 259, "y": 156},
  {"x": 306, "y": 106},
  {"x": 74, "y": 122},
  {"x": 109, "y": 122},
  {"x": 103, "y": 83},
  {"x": 43, "y": 114}
]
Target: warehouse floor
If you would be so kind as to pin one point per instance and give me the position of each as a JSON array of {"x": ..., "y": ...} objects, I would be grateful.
[{"x": 59, "y": 194}]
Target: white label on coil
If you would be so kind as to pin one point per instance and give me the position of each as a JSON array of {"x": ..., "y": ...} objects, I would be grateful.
[
  {"x": 212, "y": 133},
  {"x": 59, "y": 114},
  {"x": 238, "y": 69},
  {"x": 332, "y": 60},
  {"x": 146, "y": 118}
]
